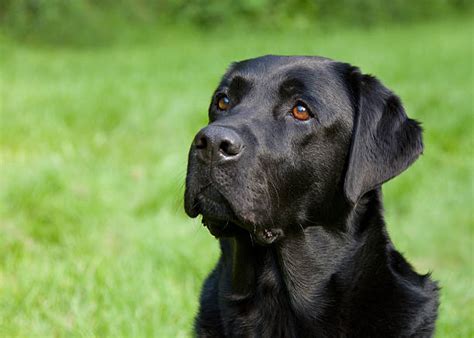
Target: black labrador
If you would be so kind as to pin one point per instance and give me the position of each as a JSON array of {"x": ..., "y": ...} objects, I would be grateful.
[{"x": 288, "y": 176}]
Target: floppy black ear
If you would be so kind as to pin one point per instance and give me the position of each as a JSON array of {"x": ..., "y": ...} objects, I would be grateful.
[{"x": 384, "y": 140}]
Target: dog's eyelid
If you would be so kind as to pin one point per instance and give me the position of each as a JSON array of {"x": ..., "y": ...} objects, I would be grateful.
[
  {"x": 302, "y": 103},
  {"x": 219, "y": 94}
]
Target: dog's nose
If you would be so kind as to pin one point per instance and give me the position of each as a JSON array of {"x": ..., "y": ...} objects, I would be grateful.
[{"x": 214, "y": 143}]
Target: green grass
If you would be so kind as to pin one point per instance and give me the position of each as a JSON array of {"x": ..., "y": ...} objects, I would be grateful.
[{"x": 93, "y": 238}]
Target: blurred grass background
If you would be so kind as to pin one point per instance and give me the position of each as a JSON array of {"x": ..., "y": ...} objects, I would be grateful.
[{"x": 99, "y": 103}]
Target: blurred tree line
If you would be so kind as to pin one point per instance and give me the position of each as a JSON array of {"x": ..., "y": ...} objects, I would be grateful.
[{"x": 87, "y": 20}]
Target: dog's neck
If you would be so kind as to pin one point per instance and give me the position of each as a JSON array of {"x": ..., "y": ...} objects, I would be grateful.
[
  {"x": 298, "y": 258},
  {"x": 243, "y": 271}
]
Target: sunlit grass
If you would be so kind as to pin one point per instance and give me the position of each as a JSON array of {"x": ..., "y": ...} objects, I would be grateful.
[{"x": 93, "y": 239}]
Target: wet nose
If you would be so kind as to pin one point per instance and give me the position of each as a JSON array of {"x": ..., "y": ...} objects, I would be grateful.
[{"x": 214, "y": 143}]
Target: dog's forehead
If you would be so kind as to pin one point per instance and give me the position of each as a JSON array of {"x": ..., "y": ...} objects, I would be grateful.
[
  {"x": 276, "y": 62},
  {"x": 276, "y": 70}
]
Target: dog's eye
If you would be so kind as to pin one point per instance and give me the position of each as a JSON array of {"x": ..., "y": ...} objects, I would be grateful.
[
  {"x": 223, "y": 103},
  {"x": 300, "y": 112}
]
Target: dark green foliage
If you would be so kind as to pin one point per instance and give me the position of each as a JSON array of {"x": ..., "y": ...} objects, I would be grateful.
[{"x": 94, "y": 22}]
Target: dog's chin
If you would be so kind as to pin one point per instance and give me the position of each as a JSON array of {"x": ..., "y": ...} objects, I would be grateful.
[
  {"x": 220, "y": 228},
  {"x": 225, "y": 228}
]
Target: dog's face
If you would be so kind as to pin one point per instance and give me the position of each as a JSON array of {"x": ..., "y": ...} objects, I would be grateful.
[{"x": 282, "y": 150}]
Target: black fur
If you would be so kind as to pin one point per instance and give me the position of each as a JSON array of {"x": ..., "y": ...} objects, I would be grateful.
[{"x": 297, "y": 205}]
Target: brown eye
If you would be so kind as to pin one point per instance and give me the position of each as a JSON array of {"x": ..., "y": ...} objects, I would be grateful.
[
  {"x": 223, "y": 103},
  {"x": 300, "y": 112}
]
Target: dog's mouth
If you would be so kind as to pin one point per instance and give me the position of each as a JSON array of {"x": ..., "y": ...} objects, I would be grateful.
[
  {"x": 222, "y": 221},
  {"x": 217, "y": 214}
]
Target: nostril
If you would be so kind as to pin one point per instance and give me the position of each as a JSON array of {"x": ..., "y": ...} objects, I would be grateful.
[
  {"x": 224, "y": 147},
  {"x": 216, "y": 143},
  {"x": 228, "y": 148},
  {"x": 201, "y": 142}
]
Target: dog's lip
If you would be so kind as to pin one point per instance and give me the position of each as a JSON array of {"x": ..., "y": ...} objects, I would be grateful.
[
  {"x": 234, "y": 217},
  {"x": 191, "y": 201},
  {"x": 211, "y": 193},
  {"x": 191, "y": 207},
  {"x": 210, "y": 197},
  {"x": 263, "y": 235}
]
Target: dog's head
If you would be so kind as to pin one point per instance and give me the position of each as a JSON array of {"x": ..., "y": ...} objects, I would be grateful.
[{"x": 294, "y": 142}]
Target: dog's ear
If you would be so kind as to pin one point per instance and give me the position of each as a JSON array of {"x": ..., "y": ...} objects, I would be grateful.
[{"x": 384, "y": 140}]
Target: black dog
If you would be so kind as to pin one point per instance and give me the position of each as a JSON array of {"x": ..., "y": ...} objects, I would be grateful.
[{"x": 287, "y": 175}]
